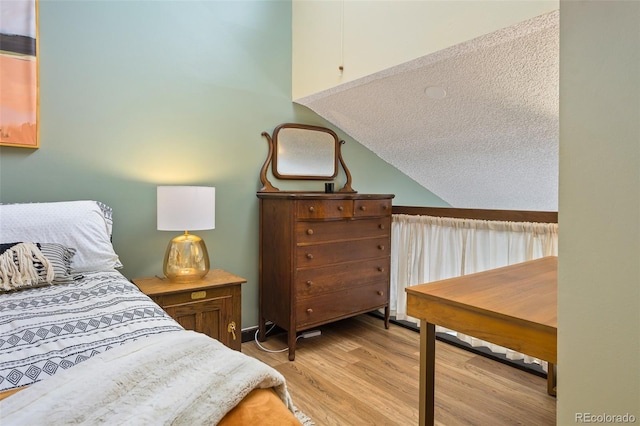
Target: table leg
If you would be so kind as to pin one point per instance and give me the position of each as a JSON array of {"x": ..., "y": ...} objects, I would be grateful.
[
  {"x": 427, "y": 372},
  {"x": 551, "y": 379}
]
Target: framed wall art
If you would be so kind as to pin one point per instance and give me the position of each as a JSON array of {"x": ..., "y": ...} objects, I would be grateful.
[{"x": 19, "y": 74}]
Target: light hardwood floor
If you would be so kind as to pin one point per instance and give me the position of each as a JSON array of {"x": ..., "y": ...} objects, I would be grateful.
[{"x": 358, "y": 373}]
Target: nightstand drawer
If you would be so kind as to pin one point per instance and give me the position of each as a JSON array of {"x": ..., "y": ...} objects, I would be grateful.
[{"x": 199, "y": 295}]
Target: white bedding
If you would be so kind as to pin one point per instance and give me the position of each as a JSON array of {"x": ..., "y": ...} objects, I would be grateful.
[
  {"x": 46, "y": 330},
  {"x": 179, "y": 378}
]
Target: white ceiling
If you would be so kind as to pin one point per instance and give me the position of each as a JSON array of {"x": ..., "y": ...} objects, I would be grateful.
[{"x": 492, "y": 142}]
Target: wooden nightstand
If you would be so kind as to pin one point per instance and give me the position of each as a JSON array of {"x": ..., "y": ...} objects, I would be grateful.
[{"x": 211, "y": 305}]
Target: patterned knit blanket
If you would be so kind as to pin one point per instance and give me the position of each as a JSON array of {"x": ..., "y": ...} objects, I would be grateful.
[{"x": 23, "y": 265}]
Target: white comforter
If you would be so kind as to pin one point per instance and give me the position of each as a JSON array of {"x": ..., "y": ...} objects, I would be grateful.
[{"x": 181, "y": 378}]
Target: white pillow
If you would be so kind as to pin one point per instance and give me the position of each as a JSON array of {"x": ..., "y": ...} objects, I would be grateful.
[{"x": 80, "y": 225}]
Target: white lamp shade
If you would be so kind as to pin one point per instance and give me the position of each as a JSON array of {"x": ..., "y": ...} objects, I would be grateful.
[{"x": 186, "y": 208}]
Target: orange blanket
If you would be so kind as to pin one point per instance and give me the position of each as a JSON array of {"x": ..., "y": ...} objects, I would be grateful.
[{"x": 260, "y": 407}]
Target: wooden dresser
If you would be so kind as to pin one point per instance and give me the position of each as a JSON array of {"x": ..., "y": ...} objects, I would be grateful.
[{"x": 323, "y": 257}]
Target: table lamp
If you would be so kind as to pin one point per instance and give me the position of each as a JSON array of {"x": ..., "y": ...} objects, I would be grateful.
[{"x": 186, "y": 208}]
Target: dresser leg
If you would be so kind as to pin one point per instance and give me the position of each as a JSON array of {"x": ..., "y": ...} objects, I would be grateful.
[
  {"x": 386, "y": 317},
  {"x": 291, "y": 336}
]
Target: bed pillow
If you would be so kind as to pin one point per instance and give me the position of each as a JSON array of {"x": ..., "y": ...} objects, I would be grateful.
[
  {"x": 27, "y": 265},
  {"x": 80, "y": 225}
]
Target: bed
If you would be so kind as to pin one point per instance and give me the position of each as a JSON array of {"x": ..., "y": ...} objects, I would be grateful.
[{"x": 80, "y": 344}]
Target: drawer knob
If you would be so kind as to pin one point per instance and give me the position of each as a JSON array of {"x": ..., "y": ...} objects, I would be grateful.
[
  {"x": 309, "y": 256},
  {"x": 381, "y": 226},
  {"x": 340, "y": 208},
  {"x": 312, "y": 209},
  {"x": 380, "y": 293},
  {"x": 310, "y": 231},
  {"x": 381, "y": 247},
  {"x": 309, "y": 283},
  {"x": 363, "y": 208},
  {"x": 385, "y": 207},
  {"x": 309, "y": 310},
  {"x": 380, "y": 268}
]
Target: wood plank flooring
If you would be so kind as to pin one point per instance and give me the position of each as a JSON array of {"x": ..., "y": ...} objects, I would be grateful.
[{"x": 358, "y": 373}]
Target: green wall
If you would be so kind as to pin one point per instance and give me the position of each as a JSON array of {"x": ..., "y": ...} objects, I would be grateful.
[{"x": 135, "y": 94}]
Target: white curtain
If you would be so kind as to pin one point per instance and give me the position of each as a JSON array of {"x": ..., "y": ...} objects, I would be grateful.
[{"x": 427, "y": 248}]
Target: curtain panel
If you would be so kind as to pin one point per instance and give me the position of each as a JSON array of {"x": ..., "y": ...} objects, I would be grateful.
[{"x": 427, "y": 248}]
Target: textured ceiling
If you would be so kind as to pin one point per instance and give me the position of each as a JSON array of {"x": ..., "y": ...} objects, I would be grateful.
[{"x": 491, "y": 142}]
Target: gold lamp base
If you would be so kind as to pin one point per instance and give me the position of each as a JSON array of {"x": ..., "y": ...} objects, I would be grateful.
[{"x": 186, "y": 258}]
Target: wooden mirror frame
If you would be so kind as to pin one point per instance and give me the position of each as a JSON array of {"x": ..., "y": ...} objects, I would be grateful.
[
  {"x": 304, "y": 152},
  {"x": 272, "y": 158}
]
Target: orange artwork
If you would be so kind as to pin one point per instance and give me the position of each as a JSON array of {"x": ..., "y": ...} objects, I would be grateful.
[{"x": 18, "y": 74}]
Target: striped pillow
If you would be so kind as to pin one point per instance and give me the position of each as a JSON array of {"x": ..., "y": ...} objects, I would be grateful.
[
  {"x": 27, "y": 265},
  {"x": 59, "y": 257}
]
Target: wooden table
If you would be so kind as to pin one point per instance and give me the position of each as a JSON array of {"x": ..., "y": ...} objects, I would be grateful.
[{"x": 514, "y": 306}]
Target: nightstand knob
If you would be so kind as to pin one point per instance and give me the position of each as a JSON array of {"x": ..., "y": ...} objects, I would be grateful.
[
  {"x": 385, "y": 207},
  {"x": 380, "y": 247},
  {"x": 380, "y": 293},
  {"x": 309, "y": 256},
  {"x": 381, "y": 226},
  {"x": 340, "y": 208},
  {"x": 380, "y": 268},
  {"x": 309, "y": 231},
  {"x": 312, "y": 209},
  {"x": 309, "y": 283},
  {"x": 231, "y": 328},
  {"x": 363, "y": 208},
  {"x": 309, "y": 311}
]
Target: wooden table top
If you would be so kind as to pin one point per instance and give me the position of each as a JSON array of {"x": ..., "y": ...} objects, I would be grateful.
[
  {"x": 156, "y": 286},
  {"x": 524, "y": 291}
]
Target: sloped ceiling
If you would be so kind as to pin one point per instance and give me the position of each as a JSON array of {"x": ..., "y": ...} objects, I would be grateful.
[{"x": 490, "y": 142}]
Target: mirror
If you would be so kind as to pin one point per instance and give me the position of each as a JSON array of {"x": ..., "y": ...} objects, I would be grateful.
[{"x": 303, "y": 152}]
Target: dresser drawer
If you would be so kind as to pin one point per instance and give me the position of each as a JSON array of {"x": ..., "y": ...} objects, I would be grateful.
[
  {"x": 333, "y": 306},
  {"x": 313, "y": 231},
  {"x": 311, "y": 282},
  {"x": 364, "y": 208},
  {"x": 324, "y": 209},
  {"x": 342, "y": 251}
]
